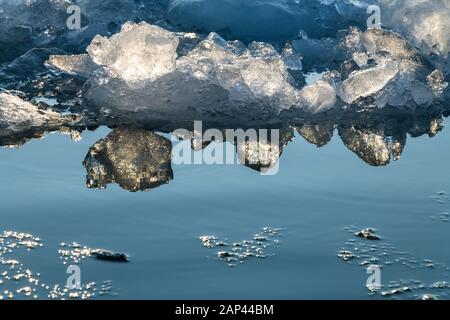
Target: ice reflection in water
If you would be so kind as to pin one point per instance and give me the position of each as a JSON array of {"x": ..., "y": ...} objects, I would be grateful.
[
  {"x": 184, "y": 75},
  {"x": 138, "y": 158},
  {"x": 135, "y": 159}
]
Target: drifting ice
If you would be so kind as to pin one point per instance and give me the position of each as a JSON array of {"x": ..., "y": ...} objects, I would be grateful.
[
  {"x": 139, "y": 69},
  {"x": 181, "y": 75},
  {"x": 147, "y": 68},
  {"x": 425, "y": 24},
  {"x": 384, "y": 67},
  {"x": 17, "y": 114}
]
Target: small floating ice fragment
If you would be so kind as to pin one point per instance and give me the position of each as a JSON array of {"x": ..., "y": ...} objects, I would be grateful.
[
  {"x": 396, "y": 291},
  {"x": 25, "y": 291},
  {"x": 244, "y": 249},
  {"x": 224, "y": 254},
  {"x": 368, "y": 234},
  {"x": 259, "y": 237},
  {"x": 346, "y": 255},
  {"x": 440, "y": 285},
  {"x": 103, "y": 254},
  {"x": 427, "y": 296}
]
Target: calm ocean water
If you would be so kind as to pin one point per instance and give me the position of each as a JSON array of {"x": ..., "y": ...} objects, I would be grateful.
[{"x": 318, "y": 198}]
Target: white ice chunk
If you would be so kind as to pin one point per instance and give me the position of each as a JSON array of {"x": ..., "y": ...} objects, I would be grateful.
[
  {"x": 247, "y": 73},
  {"x": 140, "y": 52},
  {"x": 365, "y": 83},
  {"x": 388, "y": 69},
  {"x": 138, "y": 69},
  {"x": 81, "y": 65},
  {"x": 16, "y": 113},
  {"x": 318, "y": 97},
  {"x": 425, "y": 24}
]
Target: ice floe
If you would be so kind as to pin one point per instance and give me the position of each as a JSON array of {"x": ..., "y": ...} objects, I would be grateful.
[{"x": 235, "y": 253}]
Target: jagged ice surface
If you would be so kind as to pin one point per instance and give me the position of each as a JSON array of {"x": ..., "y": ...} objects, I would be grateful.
[
  {"x": 139, "y": 69},
  {"x": 388, "y": 70},
  {"x": 17, "y": 114},
  {"x": 425, "y": 24},
  {"x": 147, "y": 68}
]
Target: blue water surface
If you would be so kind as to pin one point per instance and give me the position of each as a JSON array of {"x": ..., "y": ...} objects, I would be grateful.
[{"x": 316, "y": 195}]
